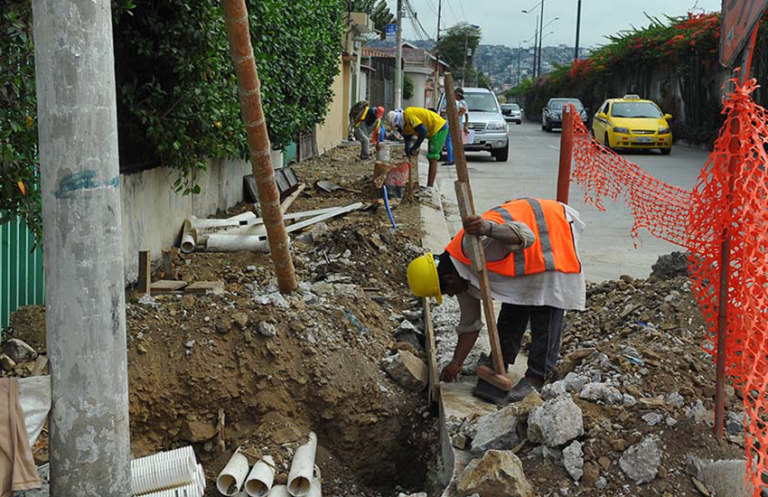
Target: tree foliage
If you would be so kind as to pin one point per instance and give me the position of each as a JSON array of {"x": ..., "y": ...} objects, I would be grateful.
[
  {"x": 407, "y": 87},
  {"x": 176, "y": 87},
  {"x": 453, "y": 48},
  {"x": 377, "y": 10}
]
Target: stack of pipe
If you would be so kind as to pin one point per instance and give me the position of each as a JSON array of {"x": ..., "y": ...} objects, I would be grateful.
[
  {"x": 162, "y": 474},
  {"x": 303, "y": 479}
]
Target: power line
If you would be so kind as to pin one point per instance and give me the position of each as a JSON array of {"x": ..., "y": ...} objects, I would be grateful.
[{"x": 448, "y": 3}]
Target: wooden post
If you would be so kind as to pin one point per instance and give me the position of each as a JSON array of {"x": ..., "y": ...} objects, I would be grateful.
[
  {"x": 725, "y": 251},
  {"x": 566, "y": 153},
  {"x": 145, "y": 271},
  {"x": 241, "y": 50},
  {"x": 476, "y": 251},
  {"x": 434, "y": 381}
]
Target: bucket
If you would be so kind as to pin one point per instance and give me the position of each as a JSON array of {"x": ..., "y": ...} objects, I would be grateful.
[{"x": 383, "y": 152}]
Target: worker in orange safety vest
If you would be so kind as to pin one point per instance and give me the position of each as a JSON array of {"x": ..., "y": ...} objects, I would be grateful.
[{"x": 534, "y": 270}]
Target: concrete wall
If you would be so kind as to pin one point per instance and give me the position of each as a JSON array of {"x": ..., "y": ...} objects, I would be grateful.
[
  {"x": 419, "y": 90},
  {"x": 332, "y": 131},
  {"x": 152, "y": 213}
]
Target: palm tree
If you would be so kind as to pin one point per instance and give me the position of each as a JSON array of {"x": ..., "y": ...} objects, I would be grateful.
[{"x": 377, "y": 10}]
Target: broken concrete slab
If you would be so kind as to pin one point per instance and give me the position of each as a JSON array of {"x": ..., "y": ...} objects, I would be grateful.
[
  {"x": 556, "y": 422},
  {"x": 573, "y": 460},
  {"x": 499, "y": 473},
  {"x": 497, "y": 430},
  {"x": 641, "y": 461},
  {"x": 407, "y": 370}
]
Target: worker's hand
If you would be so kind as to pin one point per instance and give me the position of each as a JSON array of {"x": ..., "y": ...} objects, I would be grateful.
[
  {"x": 413, "y": 156},
  {"x": 450, "y": 373},
  {"x": 466, "y": 127},
  {"x": 476, "y": 225}
]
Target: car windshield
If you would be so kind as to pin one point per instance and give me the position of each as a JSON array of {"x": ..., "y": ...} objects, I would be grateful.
[
  {"x": 635, "y": 109},
  {"x": 510, "y": 106},
  {"x": 559, "y": 104},
  {"x": 481, "y": 102}
]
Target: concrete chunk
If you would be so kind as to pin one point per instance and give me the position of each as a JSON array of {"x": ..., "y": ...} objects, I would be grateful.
[
  {"x": 573, "y": 460},
  {"x": 498, "y": 473},
  {"x": 556, "y": 422},
  {"x": 641, "y": 461},
  {"x": 497, "y": 430},
  {"x": 407, "y": 370},
  {"x": 19, "y": 351},
  {"x": 601, "y": 392}
]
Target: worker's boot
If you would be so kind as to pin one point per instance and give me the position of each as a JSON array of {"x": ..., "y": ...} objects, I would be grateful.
[{"x": 525, "y": 387}]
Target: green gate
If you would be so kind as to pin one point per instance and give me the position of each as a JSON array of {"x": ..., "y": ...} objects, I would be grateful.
[{"x": 21, "y": 270}]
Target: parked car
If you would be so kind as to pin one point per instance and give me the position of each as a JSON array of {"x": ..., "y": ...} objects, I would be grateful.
[
  {"x": 488, "y": 123},
  {"x": 552, "y": 114},
  {"x": 632, "y": 123},
  {"x": 512, "y": 112}
]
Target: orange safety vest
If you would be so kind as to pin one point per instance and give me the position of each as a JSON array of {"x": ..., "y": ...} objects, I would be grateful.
[{"x": 553, "y": 250}]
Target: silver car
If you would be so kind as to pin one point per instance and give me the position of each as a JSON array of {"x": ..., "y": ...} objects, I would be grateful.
[
  {"x": 487, "y": 122},
  {"x": 512, "y": 113}
]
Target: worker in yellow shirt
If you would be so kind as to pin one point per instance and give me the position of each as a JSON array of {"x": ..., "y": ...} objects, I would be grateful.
[{"x": 415, "y": 123}]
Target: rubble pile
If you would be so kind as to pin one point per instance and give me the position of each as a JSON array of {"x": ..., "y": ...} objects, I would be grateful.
[
  {"x": 256, "y": 369},
  {"x": 630, "y": 407}
]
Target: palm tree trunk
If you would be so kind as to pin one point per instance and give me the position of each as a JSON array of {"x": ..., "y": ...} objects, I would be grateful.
[{"x": 241, "y": 50}]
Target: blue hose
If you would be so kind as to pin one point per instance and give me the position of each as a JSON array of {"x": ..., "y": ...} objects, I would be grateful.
[{"x": 386, "y": 204}]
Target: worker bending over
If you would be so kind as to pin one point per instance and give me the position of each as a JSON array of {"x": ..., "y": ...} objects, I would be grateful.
[
  {"x": 534, "y": 270},
  {"x": 365, "y": 121},
  {"x": 417, "y": 124}
]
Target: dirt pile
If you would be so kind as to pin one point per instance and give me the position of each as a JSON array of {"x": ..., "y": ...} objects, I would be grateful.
[{"x": 256, "y": 369}]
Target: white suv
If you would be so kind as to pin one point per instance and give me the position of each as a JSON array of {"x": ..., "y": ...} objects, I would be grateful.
[{"x": 486, "y": 119}]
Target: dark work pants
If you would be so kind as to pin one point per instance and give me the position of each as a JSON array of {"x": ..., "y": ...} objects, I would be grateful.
[{"x": 546, "y": 330}]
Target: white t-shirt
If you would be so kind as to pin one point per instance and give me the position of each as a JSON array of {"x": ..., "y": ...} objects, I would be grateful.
[{"x": 551, "y": 288}]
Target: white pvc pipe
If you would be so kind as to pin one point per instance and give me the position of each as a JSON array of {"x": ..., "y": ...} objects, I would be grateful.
[
  {"x": 192, "y": 490},
  {"x": 231, "y": 478},
  {"x": 279, "y": 491},
  {"x": 259, "y": 482},
  {"x": 239, "y": 220},
  {"x": 302, "y": 468},
  {"x": 236, "y": 243},
  {"x": 317, "y": 486},
  {"x": 188, "y": 238}
]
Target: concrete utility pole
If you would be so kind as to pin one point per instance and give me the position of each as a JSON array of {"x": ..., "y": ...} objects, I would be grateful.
[
  {"x": 85, "y": 291},
  {"x": 541, "y": 39},
  {"x": 436, "y": 91},
  {"x": 399, "y": 57},
  {"x": 578, "y": 30}
]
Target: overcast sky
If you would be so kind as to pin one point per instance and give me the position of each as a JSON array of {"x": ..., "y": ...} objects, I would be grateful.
[{"x": 503, "y": 23}]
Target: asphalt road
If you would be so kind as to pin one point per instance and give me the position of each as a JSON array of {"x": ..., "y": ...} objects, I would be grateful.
[{"x": 606, "y": 248}]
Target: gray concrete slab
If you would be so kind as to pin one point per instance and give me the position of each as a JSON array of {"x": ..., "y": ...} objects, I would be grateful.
[{"x": 607, "y": 250}]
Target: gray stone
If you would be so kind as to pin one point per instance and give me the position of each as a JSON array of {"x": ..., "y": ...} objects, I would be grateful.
[
  {"x": 670, "y": 266},
  {"x": 553, "y": 390},
  {"x": 412, "y": 315},
  {"x": 641, "y": 461},
  {"x": 406, "y": 326},
  {"x": 240, "y": 319},
  {"x": 601, "y": 392},
  {"x": 575, "y": 382},
  {"x": 671, "y": 422},
  {"x": 734, "y": 423},
  {"x": 601, "y": 483},
  {"x": 407, "y": 370},
  {"x": 629, "y": 400},
  {"x": 573, "y": 460},
  {"x": 267, "y": 329},
  {"x": 7, "y": 363},
  {"x": 411, "y": 338},
  {"x": 675, "y": 399},
  {"x": 696, "y": 412},
  {"x": 314, "y": 234},
  {"x": 556, "y": 422},
  {"x": 497, "y": 430},
  {"x": 498, "y": 473},
  {"x": 652, "y": 418},
  {"x": 19, "y": 351}
]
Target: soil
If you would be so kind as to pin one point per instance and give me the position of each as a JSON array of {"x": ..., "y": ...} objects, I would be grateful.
[{"x": 194, "y": 360}]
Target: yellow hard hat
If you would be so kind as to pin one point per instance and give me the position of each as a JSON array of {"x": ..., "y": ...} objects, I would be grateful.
[{"x": 423, "y": 279}]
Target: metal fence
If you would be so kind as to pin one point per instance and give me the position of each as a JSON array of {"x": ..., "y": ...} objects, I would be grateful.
[{"x": 21, "y": 270}]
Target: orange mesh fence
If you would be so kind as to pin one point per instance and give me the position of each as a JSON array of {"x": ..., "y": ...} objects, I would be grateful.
[{"x": 730, "y": 201}]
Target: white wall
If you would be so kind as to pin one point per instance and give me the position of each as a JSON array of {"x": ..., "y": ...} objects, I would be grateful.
[
  {"x": 419, "y": 90},
  {"x": 152, "y": 213}
]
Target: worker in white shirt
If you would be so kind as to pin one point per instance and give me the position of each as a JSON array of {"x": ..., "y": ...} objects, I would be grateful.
[
  {"x": 463, "y": 108},
  {"x": 534, "y": 270}
]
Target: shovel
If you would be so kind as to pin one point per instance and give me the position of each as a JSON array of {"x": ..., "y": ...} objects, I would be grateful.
[{"x": 330, "y": 187}]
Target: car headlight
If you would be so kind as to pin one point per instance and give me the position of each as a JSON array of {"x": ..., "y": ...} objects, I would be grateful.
[
  {"x": 621, "y": 130},
  {"x": 494, "y": 126},
  {"x": 663, "y": 131}
]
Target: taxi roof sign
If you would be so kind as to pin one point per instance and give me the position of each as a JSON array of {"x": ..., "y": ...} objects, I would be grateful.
[{"x": 739, "y": 18}]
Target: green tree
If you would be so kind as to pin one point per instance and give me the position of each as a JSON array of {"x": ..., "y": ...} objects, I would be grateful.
[
  {"x": 377, "y": 10},
  {"x": 454, "y": 46}
]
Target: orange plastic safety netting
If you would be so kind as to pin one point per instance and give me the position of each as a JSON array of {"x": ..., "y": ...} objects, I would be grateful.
[{"x": 729, "y": 202}]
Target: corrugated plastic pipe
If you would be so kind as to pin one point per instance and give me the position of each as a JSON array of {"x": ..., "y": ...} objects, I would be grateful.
[
  {"x": 166, "y": 470},
  {"x": 302, "y": 468},
  {"x": 192, "y": 490},
  {"x": 231, "y": 478},
  {"x": 236, "y": 243},
  {"x": 259, "y": 482}
]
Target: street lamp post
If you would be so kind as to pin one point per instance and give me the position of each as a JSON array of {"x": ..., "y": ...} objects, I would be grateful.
[
  {"x": 578, "y": 30},
  {"x": 541, "y": 40}
]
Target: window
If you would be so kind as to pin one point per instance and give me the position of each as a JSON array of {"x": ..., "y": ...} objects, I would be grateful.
[
  {"x": 604, "y": 110},
  {"x": 559, "y": 103},
  {"x": 481, "y": 102},
  {"x": 636, "y": 110}
]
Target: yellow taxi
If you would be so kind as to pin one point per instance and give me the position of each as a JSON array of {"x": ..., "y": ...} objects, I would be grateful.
[{"x": 632, "y": 123}]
